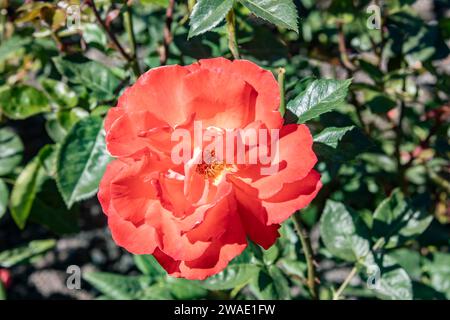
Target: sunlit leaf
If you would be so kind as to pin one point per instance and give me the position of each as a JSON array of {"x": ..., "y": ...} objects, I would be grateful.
[
  {"x": 343, "y": 232},
  {"x": 4, "y": 195},
  {"x": 23, "y": 254},
  {"x": 22, "y": 101},
  {"x": 320, "y": 96},
  {"x": 27, "y": 185},
  {"x": 11, "y": 149},
  {"x": 81, "y": 160},
  {"x": 282, "y": 13},
  {"x": 207, "y": 14}
]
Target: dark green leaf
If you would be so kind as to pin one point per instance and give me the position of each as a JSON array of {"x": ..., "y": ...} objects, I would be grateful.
[
  {"x": 12, "y": 45},
  {"x": 18, "y": 255},
  {"x": 99, "y": 79},
  {"x": 22, "y": 101},
  {"x": 49, "y": 210},
  {"x": 148, "y": 265},
  {"x": 27, "y": 185},
  {"x": 271, "y": 285},
  {"x": 343, "y": 232},
  {"x": 331, "y": 136},
  {"x": 60, "y": 93},
  {"x": 396, "y": 220},
  {"x": 235, "y": 275},
  {"x": 320, "y": 96},
  {"x": 294, "y": 267},
  {"x": 4, "y": 195},
  {"x": 81, "y": 160},
  {"x": 409, "y": 260},
  {"x": 11, "y": 149},
  {"x": 282, "y": 13},
  {"x": 207, "y": 14},
  {"x": 182, "y": 289},
  {"x": 439, "y": 271},
  {"x": 116, "y": 286},
  {"x": 393, "y": 283}
]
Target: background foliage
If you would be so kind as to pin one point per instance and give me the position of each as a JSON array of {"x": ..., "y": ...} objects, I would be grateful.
[{"x": 379, "y": 228}]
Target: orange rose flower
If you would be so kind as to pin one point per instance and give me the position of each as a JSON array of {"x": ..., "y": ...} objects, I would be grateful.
[{"x": 196, "y": 216}]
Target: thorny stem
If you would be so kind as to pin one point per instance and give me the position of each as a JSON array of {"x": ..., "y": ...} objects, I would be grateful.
[
  {"x": 282, "y": 87},
  {"x": 128, "y": 19},
  {"x": 167, "y": 39},
  {"x": 306, "y": 246},
  {"x": 231, "y": 29}
]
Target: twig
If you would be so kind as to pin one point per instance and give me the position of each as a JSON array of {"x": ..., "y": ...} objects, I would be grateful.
[
  {"x": 345, "y": 60},
  {"x": 306, "y": 245},
  {"x": 231, "y": 29},
  {"x": 108, "y": 31},
  {"x": 345, "y": 283},
  {"x": 167, "y": 37}
]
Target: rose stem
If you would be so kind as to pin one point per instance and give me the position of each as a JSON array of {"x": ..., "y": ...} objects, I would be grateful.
[
  {"x": 307, "y": 250},
  {"x": 281, "y": 86},
  {"x": 128, "y": 19},
  {"x": 232, "y": 40}
]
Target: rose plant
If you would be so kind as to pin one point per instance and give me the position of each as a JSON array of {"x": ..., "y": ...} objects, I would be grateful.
[{"x": 238, "y": 149}]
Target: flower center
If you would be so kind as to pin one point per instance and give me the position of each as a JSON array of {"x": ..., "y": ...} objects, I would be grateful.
[{"x": 212, "y": 168}]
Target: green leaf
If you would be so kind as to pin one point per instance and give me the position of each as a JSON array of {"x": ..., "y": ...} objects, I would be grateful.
[
  {"x": 94, "y": 35},
  {"x": 439, "y": 271},
  {"x": 11, "y": 149},
  {"x": 320, "y": 96},
  {"x": 157, "y": 291},
  {"x": 22, "y": 101},
  {"x": 207, "y": 14},
  {"x": 49, "y": 210},
  {"x": 294, "y": 267},
  {"x": 343, "y": 232},
  {"x": 23, "y": 254},
  {"x": 235, "y": 275},
  {"x": 81, "y": 160},
  {"x": 182, "y": 289},
  {"x": 409, "y": 260},
  {"x": 27, "y": 185},
  {"x": 148, "y": 265},
  {"x": 117, "y": 286},
  {"x": 60, "y": 93},
  {"x": 394, "y": 282},
  {"x": 59, "y": 124},
  {"x": 271, "y": 284},
  {"x": 2, "y": 291},
  {"x": 97, "y": 78},
  {"x": 12, "y": 45},
  {"x": 282, "y": 13},
  {"x": 4, "y": 195},
  {"x": 396, "y": 220},
  {"x": 162, "y": 3},
  {"x": 331, "y": 136}
]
